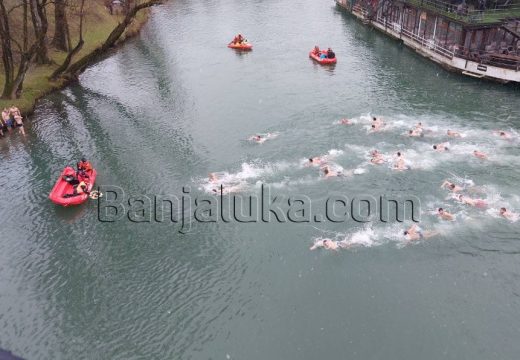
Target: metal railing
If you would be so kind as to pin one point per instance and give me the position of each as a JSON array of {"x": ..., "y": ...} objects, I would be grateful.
[
  {"x": 463, "y": 13},
  {"x": 429, "y": 44}
]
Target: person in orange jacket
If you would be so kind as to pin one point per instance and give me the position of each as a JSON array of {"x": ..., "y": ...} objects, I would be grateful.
[{"x": 84, "y": 165}]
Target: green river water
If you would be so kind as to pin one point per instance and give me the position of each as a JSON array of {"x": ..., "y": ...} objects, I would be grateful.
[{"x": 175, "y": 104}]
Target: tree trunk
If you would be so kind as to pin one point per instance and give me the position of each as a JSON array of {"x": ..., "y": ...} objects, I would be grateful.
[
  {"x": 7, "y": 51},
  {"x": 25, "y": 61},
  {"x": 114, "y": 36},
  {"x": 128, "y": 6},
  {"x": 25, "y": 26},
  {"x": 42, "y": 48},
  {"x": 61, "y": 29},
  {"x": 40, "y": 24},
  {"x": 63, "y": 67},
  {"x": 25, "y": 43},
  {"x": 13, "y": 85}
]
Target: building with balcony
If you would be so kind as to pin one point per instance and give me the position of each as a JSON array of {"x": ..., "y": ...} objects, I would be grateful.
[{"x": 480, "y": 39}]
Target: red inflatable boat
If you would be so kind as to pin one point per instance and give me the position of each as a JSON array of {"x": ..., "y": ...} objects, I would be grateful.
[
  {"x": 325, "y": 61},
  {"x": 241, "y": 46},
  {"x": 63, "y": 189}
]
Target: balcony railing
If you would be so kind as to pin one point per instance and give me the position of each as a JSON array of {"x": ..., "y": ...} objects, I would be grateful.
[
  {"x": 429, "y": 44},
  {"x": 465, "y": 14}
]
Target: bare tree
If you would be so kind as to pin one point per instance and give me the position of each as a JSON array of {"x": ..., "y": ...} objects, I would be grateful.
[
  {"x": 14, "y": 79},
  {"x": 111, "y": 40},
  {"x": 17, "y": 54},
  {"x": 7, "y": 51}
]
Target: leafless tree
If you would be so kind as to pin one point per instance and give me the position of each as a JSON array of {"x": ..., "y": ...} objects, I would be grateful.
[
  {"x": 14, "y": 78},
  {"x": 80, "y": 65}
]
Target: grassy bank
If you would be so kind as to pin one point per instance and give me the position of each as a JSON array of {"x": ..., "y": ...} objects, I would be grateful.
[{"x": 98, "y": 23}]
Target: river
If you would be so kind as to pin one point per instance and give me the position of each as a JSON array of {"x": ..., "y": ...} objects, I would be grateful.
[{"x": 176, "y": 104}]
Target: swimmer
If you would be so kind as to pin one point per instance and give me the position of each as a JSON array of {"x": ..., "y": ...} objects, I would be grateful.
[
  {"x": 327, "y": 172},
  {"x": 441, "y": 147},
  {"x": 326, "y": 244},
  {"x": 444, "y": 215},
  {"x": 451, "y": 186},
  {"x": 18, "y": 121},
  {"x": 377, "y": 121},
  {"x": 377, "y": 124},
  {"x": 503, "y": 134},
  {"x": 375, "y": 127},
  {"x": 479, "y": 203},
  {"x": 228, "y": 188},
  {"x": 257, "y": 138},
  {"x": 377, "y": 157},
  {"x": 345, "y": 121},
  {"x": 330, "y": 245},
  {"x": 400, "y": 164},
  {"x": 213, "y": 178},
  {"x": 451, "y": 133},
  {"x": 317, "y": 244},
  {"x": 315, "y": 161},
  {"x": 415, "y": 132},
  {"x": 415, "y": 233},
  {"x": 418, "y": 128},
  {"x": 480, "y": 155},
  {"x": 508, "y": 214}
]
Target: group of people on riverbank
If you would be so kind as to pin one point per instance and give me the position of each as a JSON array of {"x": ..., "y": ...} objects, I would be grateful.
[{"x": 11, "y": 119}]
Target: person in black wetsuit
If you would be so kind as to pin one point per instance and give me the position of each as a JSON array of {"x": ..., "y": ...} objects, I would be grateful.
[{"x": 330, "y": 53}]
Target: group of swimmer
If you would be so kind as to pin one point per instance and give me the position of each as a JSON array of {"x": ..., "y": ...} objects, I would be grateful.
[
  {"x": 418, "y": 131},
  {"x": 467, "y": 200},
  {"x": 328, "y": 169},
  {"x": 11, "y": 119},
  {"x": 414, "y": 232}
]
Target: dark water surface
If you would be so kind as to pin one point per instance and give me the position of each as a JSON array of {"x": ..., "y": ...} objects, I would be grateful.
[{"x": 176, "y": 104}]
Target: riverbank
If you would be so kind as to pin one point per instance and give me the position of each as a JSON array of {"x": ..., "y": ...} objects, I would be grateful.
[{"x": 98, "y": 25}]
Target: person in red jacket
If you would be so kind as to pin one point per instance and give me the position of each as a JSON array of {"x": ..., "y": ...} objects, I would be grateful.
[{"x": 84, "y": 165}]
